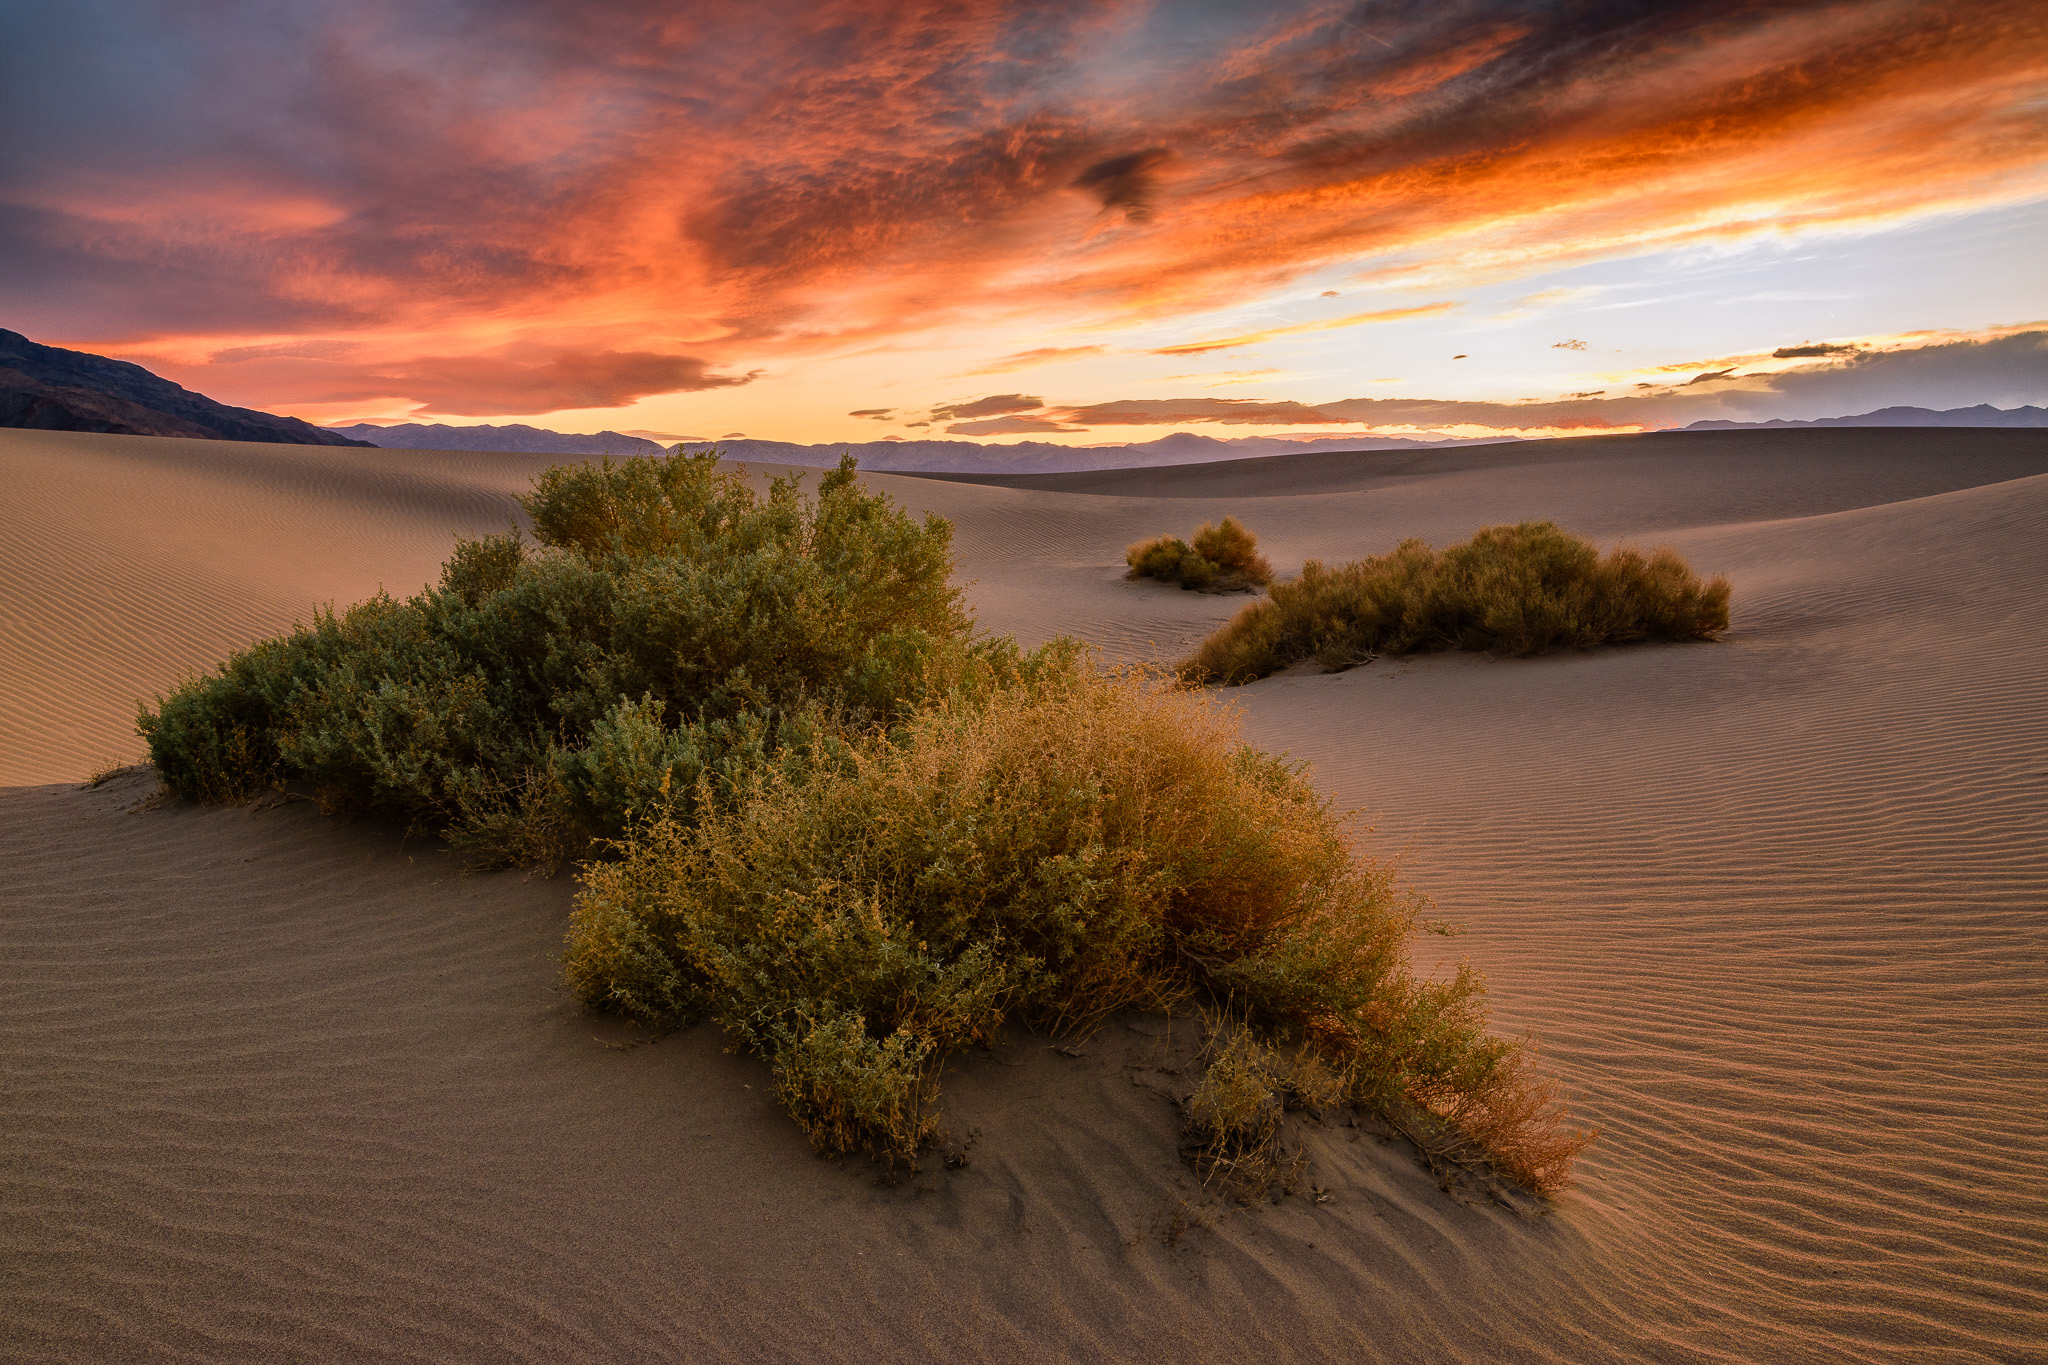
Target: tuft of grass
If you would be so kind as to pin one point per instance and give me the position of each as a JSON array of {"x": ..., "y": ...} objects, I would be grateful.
[
  {"x": 1224, "y": 558},
  {"x": 1231, "y": 1122},
  {"x": 105, "y": 773},
  {"x": 1522, "y": 589}
]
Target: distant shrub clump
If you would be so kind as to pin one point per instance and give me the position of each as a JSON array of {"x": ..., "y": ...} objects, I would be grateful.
[
  {"x": 816, "y": 807},
  {"x": 1521, "y": 589},
  {"x": 1224, "y": 558},
  {"x": 670, "y": 626}
]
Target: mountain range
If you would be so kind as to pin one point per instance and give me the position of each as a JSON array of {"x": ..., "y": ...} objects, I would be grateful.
[
  {"x": 1983, "y": 415},
  {"x": 515, "y": 436},
  {"x": 1043, "y": 457},
  {"x": 51, "y": 389}
]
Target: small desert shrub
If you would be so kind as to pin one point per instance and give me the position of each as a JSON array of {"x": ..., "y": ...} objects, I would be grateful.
[
  {"x": 1521, "y": 589},
  {"x": 671, "y": 629},
  {"x": 1224, "y": 558},
  {"x": 1050, "y": 850}
]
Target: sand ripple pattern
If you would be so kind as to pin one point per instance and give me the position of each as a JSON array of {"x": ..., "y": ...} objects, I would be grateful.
[
  {"x": 278, "y": 1087},
  {"x": 127, "y": 562},
  {"x": 1779, "y": 910}
]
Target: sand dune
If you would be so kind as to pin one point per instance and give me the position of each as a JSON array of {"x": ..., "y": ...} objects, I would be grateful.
[{"x": 276, "y": 1086}]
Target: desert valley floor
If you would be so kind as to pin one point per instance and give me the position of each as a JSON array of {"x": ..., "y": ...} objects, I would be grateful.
[{"x": 275, "y": 1086}]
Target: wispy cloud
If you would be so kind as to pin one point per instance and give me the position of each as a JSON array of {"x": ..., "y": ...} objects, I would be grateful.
[
  {"x": 1042, "y": 355},
  {"x": 2009, "y": 368},
  {"x": 1298, "y": 328}
]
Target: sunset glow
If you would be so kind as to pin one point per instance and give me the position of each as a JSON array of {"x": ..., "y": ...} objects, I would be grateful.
[{"x": 843, "y": 221}]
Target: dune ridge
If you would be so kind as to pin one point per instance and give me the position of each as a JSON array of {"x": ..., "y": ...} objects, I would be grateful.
[{"x": 283, "y": 1087}]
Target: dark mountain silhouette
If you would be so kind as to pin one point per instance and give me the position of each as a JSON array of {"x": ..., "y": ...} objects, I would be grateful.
[
  {"x": 52, "y": 389},
  {"x": 1983, "y": 415},
  {"x": 516, "y": 436}
]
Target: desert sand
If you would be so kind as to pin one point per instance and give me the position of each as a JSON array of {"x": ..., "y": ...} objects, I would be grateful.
[{"x": 276, "y": 1086}]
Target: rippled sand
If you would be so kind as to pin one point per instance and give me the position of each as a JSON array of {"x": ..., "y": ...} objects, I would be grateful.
[{"x": 275, "y": 1086}]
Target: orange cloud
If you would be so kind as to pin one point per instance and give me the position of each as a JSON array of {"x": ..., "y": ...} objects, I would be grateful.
[
  {"x": 653, "y": 177},
  {"x": 486, "y": 386}
]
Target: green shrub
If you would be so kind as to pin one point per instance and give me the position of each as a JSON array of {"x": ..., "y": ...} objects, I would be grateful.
[
  {"x": 1051, "y": 851},
  {"x": 1520, "y": 589},
  {"x": 655, "y": 642},
  {"x": 1224, "y": 558}
]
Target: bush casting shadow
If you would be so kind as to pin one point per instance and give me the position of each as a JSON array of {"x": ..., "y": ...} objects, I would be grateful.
[
  {"x": 817, "y": 808},
  {"x": 1224, "y": 558},
  {"x": 1522, "y": 589}
]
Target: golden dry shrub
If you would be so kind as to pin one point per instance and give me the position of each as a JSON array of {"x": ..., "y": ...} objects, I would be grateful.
[
  {"x": 1233, "y": 550},
  {"x": 1223, "y": 558},
  {"x": 1521, "y": 589},
  {"x": 1069, "y": 844}
]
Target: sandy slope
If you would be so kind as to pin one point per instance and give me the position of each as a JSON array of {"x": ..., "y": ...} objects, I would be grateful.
[{"x": 278, "y": 1087}]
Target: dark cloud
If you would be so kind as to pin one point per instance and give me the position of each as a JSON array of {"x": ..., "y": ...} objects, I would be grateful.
[
  {"x": 2007, "y": 371},
  {"x": 1811, "y": 349},
  {"x": 1574, "y": 344},
  {"x": 1129, "y": 182},
  {"x": 990, "y": 406},
  {"x": 1709, "y": 377},
  {"x": 876, "y": 414},
  {"x": 1008, "y": 426}
]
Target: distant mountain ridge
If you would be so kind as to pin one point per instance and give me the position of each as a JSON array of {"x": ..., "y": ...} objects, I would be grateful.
[
  {"x": 1982, "y": 415},
  {"x": 515, "y": 437},
  {"x": 1044, "y": 457},
  {"x": 950, "y": 457},
  {"x": 48, "y": 388}
]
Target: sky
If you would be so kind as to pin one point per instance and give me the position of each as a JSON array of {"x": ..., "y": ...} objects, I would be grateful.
[{"x": 1085, "y": 221}]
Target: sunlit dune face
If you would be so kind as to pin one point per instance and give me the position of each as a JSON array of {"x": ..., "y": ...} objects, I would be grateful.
[{"x": 463, "y": 192}]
